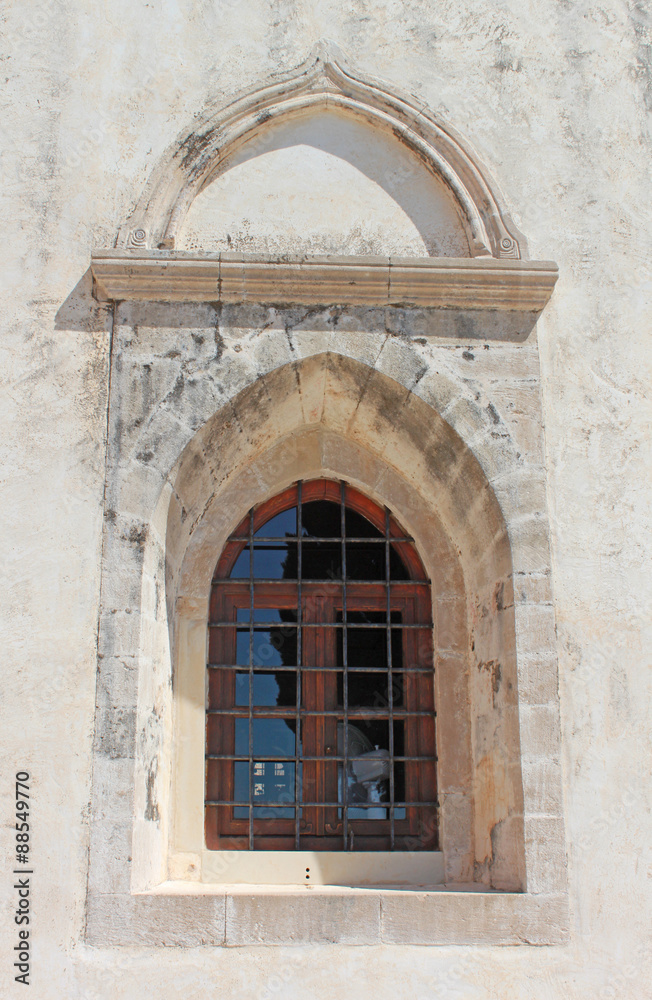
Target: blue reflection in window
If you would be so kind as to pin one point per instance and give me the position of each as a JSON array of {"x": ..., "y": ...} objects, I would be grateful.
[
  {"x": 242, "y": 737},
  {"x": 273, "y": 738},
  {"x": 270, "y": 648},
  {"x": 241, "y": 566},
  {"x": 266, "y": 689},
  {"x": 242, "y": 647},
  {"x": 272, "y": 781},
  {"x": 265, "y": 615},
  {"x": 275, "y": 561},
  {"x": 280, "y": 525}
]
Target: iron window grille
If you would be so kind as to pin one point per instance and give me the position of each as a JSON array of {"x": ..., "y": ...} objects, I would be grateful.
[{"x": 320, "y": 727}]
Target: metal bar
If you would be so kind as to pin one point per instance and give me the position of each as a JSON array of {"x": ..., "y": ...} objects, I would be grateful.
[
  {"x": 297, "y": 735},
  {"x": 370, "y": 583},
  {"x": 251, "y": 678},
  {"x": 284, "y": 760},
  {"x": 390, "y": 689},
  {"x": 429, "y": 804},
  {"x": 353, "y": 625},
  {"x": 345, "y": 674},
  {"x": 272, "y": 712},
  {"x": 318, "y": 538},
  {"x": 337, "y": 669}
]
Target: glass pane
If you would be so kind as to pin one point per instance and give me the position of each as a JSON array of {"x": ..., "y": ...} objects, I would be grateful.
[
  {"x": 375, "y": 733},
  {"x": 273, "y": 737},
  {"x": 367, "y": 785},
  {"x": 242, "y": 647},
  {"x": 321, "y": 519},
  {"x": 321, "y": 561},
  {"x": 365, "y": 561},
  {"x": 365, "y": 690},
  {"x": 364, "y": 647},
  {"x": 241, "y": 567},
  {"x": 358, "y": 526},
  {"x": 397, "y": 568},
  {"x": 268, "y": 615},
  {"x": 271, "y": 812},
  {"x": 242, "y": 737},
  {"x": 280, "y": 525},
  {"x": 399, "y": 788},
  {"x": 273, "y": 781},
  {"x": 275, "y": 561},
  {"x": 275, "y": 647},
  {"x": 269, "y": 688}
]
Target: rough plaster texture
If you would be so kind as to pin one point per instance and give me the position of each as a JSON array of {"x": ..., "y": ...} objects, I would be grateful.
[{"x": 556, "y": 98}]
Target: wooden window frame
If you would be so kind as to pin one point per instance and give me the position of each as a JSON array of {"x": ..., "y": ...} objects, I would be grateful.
[{"x": 323, "y": 827}]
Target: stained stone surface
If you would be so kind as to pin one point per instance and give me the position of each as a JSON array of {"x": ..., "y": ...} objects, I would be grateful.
[{"x": 555, "y": 100}]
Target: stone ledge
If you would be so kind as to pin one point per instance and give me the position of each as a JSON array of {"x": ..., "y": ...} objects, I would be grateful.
[
  {"x": 474, "y": 918},
  {"x": 439, "y": 282},
  {"x": 189, "y": 915},
  {"x": 163, "y": 921}
]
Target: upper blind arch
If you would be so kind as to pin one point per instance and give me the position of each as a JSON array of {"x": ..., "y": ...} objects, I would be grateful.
[
  {"x": 324, "y": 82},
  {"x": 281, "y": 192}
]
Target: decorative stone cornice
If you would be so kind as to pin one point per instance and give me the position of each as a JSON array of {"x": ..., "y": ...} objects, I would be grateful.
[
  {"x": 325, "y": 82},
  {"x": 442, "y": 282}
]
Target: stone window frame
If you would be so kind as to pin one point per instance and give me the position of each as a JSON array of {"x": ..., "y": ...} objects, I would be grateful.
[
  {"x": 156, "y": 546},
  {"x": 162, "y": 902}
]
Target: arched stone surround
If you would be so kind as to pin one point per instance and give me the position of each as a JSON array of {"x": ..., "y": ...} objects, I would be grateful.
[
  {"x": 415, "y": 425},
  {"x": 333, "y": 418}
]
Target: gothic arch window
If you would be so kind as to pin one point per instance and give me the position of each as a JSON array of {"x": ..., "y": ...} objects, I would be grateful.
[{"x": 320, "y": 728}]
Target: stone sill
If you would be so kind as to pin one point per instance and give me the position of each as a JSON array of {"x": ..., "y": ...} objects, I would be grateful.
[
  {"x": 191, "y": 915},
  {"x": 431, "y": 282}
]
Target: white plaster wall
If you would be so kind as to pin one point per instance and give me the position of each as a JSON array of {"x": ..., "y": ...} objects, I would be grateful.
[{"x": 555, "y": 97}]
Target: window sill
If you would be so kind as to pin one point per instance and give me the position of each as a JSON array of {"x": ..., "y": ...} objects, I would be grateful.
[{"x": 191, "y": 914}]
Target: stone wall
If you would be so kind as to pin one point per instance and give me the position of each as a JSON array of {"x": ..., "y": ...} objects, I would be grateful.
[{"x": 555, "y": 101}]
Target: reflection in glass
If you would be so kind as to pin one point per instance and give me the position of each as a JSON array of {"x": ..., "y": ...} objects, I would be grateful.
[
  {"x": 242, "y": 737},
  {"x": 273, "y": 738},
  {"x": 273, "y": 647},
  {"x": 275, "y": 561},
  {"x": 280, "y": 525},
  {"x": 268, "y": 615},
  {"x": 241, "y": 566},
  {"x": 267, "y": 690},
  {"x": 368, "y": 769},
  {"x": 271, "y": 781},
  {"x": 367, "y": 774}
]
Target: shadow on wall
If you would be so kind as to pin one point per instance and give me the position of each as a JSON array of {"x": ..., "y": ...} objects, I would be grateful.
[{"x": 81, "y": 311}]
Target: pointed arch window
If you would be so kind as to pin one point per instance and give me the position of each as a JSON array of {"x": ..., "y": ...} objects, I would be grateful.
[{"x": 320, "y": 718}]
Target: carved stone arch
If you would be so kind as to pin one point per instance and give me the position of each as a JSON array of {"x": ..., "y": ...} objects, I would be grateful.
[
  {"x": 324, "y": 82},
  {"x": 329, "y": 415}
]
